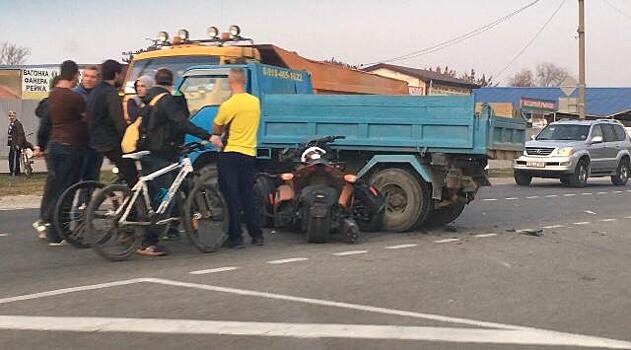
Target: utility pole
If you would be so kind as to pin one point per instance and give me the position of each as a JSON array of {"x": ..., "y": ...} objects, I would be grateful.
[{"x": 581, "y": 59}]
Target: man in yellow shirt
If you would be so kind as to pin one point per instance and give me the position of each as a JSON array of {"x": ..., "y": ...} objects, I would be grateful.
[{"x": 238, "y": 118}]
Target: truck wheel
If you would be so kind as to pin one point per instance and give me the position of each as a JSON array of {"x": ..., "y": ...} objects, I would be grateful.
[
  {"x": 443, "y": 216},
  {"x": 263, "y": 189},
  {"x": 522, "y": 179},
  {"x": 622, "y": 173},
  {"x": 579, "y": 178},
  {"x": 408, "y": 198}
]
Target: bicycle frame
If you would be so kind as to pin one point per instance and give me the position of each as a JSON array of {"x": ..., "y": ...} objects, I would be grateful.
[{"x": 185, "y": 166}]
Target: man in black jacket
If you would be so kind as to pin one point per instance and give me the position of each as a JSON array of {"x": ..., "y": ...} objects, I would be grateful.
[
  {"x": 106, "y": 121},
  {"x": 16, "y": 141},
  {"x": 163, "y": 128}
]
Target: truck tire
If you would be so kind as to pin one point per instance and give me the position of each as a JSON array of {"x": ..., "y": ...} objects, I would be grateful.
[
  {"x": 443, "y": 216},
  {"x": 408, "y": 198},
  {"x": 264, "y": 188},
  {"x": 579, "y": 178},
  {"x": 522, "y": 179},
  {"x": 622, "y": 173}
]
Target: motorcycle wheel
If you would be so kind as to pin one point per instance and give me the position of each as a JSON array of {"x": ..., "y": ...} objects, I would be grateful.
[{"x": 318, "y": 229}]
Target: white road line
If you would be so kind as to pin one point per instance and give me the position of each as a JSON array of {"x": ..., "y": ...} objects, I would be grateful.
[
  {"x": 617, "y": 192},
  {"x": 3, "y": 234},
  {"x": 602, "y": 192},
  {"x": 484, "y": 235},
  {"x": 306, "y": 330},
  {"x": 608, "y": 220},
  {"x": 569, "y": 195},
  {"x": 627, "y": 217},
  {"x": 401, "y": 246},
  {"x": 489, "y": 200},
  {"x": 582, "y": 223},
  {"x": 448, "y": 240},
  {"x": 285, "y": 261},
  {"x": 351, "y": 252},
  {"x": 590, "y": 212},
  {"x": 218, "y": 269},
  {"x": 552, "y": 196},
  {"x": 511, "y": 198},
  {"x": 628, "y": 190},
  {"x": 552, "y": 226},
  {"x": 532, "y": 197},
  {"x": 586, "y": 194}
]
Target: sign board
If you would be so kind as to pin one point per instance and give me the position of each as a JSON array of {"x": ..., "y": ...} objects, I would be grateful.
[
  {"x": 36, "y": 82},
  {"x": 568, "y": 85},
  {"x": 533, "y": 104},
  {"x": 415, "y": 90}
]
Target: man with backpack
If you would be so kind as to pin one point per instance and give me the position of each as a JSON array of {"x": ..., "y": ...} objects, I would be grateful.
[{"x": 164, "y": 124}]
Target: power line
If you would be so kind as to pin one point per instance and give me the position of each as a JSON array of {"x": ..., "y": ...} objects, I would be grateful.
[
  {"x": 617, "y": 9},
  {"x": 459, "y": 38},
  {"x": 532, "y": 40}
]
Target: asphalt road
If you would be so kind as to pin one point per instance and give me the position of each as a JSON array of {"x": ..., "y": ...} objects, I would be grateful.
[{"x": 484, "y": 283}]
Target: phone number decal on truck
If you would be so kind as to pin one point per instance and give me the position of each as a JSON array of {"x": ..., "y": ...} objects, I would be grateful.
[{"x": 282, "y": 74}]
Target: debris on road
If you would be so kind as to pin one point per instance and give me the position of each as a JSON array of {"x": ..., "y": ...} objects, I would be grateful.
[{"x": 532, "y": 232}]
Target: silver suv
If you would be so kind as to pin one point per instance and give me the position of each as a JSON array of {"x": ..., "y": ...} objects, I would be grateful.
[{"x": 575, "y": 150}]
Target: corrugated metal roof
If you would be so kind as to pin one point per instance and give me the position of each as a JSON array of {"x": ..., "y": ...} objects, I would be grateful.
[
  {"x": 600, "y": 102},
  {"x": 422, "y": 74}
]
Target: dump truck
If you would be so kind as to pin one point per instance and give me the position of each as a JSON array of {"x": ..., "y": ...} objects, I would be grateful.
[{"x": 426, "y": 154}]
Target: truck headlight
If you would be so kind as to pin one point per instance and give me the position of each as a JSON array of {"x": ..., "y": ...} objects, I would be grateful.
[
  {"x": 213, "y": 32},
  {"x": 563, "y": 152},
  {"x": 234, "y": 31},
  {"x": 163, "y": 37}
]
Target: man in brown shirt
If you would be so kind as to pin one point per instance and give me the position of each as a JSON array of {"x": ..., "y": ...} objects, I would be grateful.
[{"x": 68, "y": 142}]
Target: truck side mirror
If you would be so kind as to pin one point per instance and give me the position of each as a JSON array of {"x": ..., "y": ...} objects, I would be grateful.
[{"x": 597, "y": 139}]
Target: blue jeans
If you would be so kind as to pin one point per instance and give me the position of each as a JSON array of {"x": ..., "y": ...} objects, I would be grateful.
[{"x": 62, "y": 173}]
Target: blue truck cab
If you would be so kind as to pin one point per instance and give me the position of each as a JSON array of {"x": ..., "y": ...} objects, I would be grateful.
[{"x": 426, "y": 154}]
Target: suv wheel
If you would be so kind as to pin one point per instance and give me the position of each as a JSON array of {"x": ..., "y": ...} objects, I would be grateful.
[
  {"x": 579, "y": 178},
  {"x": 522, "y": 179},
  {"x": 622, "y": 173},
  {"x": 565, "y": 180}
]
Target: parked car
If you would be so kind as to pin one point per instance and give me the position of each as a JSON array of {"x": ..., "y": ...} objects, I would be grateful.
[{"x": 573, "y": 150}]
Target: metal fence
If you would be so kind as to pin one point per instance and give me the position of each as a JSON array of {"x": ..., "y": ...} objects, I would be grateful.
[{"x": 25, "y": 110}]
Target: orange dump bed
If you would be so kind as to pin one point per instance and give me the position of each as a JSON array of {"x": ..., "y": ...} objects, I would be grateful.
[{"x": 328, "y": 78}]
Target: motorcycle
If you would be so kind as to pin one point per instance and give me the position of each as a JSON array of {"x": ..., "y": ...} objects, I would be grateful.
[{"x": 317, "y": 196}]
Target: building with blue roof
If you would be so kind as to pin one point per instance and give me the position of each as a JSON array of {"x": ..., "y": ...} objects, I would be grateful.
[{"x": 599, "y": 102}]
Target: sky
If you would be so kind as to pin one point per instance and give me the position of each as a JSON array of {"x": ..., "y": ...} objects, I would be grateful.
[{"x": 354, "y": 31}]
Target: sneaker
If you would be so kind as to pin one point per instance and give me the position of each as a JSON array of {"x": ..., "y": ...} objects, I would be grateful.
[
  {"x": 173, "y": 234},
  {"x": 152, "y": 250},
  {"x": 258, "y": 241},
  {"x": 234, "y": 244},
  {"x": 58, "y": 244}
]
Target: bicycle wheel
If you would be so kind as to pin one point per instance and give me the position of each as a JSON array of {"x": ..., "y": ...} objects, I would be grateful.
[
  {"x": 69, "y": 215},
  {"x": 206, "y": 217},
  {"x": 105, "y": 235},
  {"x": 26, "y": 165}
]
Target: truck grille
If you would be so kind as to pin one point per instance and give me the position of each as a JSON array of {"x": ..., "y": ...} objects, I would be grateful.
[{"x": 538, "y": 151}]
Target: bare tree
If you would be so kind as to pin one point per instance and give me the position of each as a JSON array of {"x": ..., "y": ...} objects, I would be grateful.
[
  {"x": 12, "y": 54},
  {"x": 523, "y": 78},
  {"x": 482, "y": 81},
  {"x": 550, "y": 75},
  {"x": 341, "y": 63}
]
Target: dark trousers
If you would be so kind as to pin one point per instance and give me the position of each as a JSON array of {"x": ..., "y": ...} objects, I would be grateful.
[
  {"x": 65, "y": 161},
  {"x": 126, "y": 167},
  {"x": 92, "y": 165},
  {"x": 157, "y": 188},
  {"x": 14, "y": 161},
  {"x": 236, "y": 182}
]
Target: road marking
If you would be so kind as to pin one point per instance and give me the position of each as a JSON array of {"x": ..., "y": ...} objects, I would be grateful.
[
  {"x": 628, "y": 190},
  {"x": 586, "y": 193},
  {"x": 401, "y": 246},
  {"x": 511, "y": 198},
  {"x": 489, "y": 200},
  {"x": 569, "y": 195},
  {"x": 602, "y": 192},
  {"x": 617, "y": 192},
  {"x": 552, "y": 226},
  {"x": 484, "y": 235},
  {"x": 532, "y": 197},
  {"x": 608, "y": 220},
  {"x": 582, "y": 223},
  {"x": 218, "y": 269},
  {"x": 590, "y": 212},
  {"x": 3, "y": 234},
  {"x": 552, "y": 196},
  {"x": 627, "y": 217},
  {"x": 351, "y": 252},
  {"x": 448, "y": 240},
  {"x": 305, "y": 330},
  {"x": 285, "y": 261}
]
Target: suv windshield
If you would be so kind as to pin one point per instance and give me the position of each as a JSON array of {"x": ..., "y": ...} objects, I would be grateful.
[
  {"x": 177, "y": 64},
  {"x": 564, "y": 132},
  {"x": 207, "y": 90}
]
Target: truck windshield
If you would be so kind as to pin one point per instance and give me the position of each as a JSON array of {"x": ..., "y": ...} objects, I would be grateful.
[
  {"x": 564, "y": 132},
  {"x": 207, "y": 90},
  {"x": 177, "y": 64}
]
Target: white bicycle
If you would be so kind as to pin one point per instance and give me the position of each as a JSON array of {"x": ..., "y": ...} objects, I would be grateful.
[{"x": 117, "y": 216}]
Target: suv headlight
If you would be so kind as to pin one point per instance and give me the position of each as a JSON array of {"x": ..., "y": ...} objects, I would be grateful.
[{"x": 563, "y": 152}]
